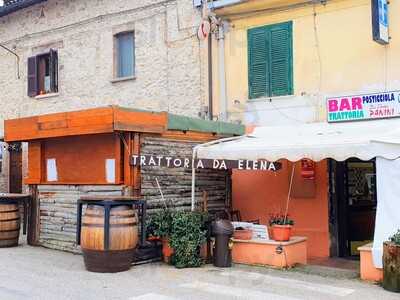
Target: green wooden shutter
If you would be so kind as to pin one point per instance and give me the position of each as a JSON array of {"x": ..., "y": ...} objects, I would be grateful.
[
  {"x": 270, "y": 59},
  {"x": 281, "y": 59},
  {"x": 257, "y": 59}
]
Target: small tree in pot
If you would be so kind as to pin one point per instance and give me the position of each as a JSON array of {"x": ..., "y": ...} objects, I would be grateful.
[
  {"x": 281, "y": 227},
  {"x": 391, "y": 263}
]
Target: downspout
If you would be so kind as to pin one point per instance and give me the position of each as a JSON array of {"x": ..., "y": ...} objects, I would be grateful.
[
  {"x": 223, "y": 107},
  {"x": 210, "y": 79}
]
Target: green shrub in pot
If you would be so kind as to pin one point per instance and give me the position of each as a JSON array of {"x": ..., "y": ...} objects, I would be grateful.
[
  {"x": 188, "y": 234},
  {"x": 160, "y": 223},
  {"x": 395, "y": 238}
]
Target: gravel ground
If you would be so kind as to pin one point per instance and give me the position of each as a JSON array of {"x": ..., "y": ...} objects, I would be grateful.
[{"x": 37, "y": 273}]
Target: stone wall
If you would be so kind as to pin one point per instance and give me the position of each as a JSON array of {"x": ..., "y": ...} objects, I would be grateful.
[
  {"x": 176, "y": 182},
  {"x": 169, "y": 57}
]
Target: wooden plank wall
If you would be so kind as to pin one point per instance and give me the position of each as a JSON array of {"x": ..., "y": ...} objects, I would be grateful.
[
  {"x": 176, "y": 182},
  {"x": 58, "y": 212}
]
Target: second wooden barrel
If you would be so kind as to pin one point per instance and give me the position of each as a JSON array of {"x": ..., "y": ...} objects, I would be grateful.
[
  {"x": 10, "y": 224},
  {"x": 123, "y": 238}
]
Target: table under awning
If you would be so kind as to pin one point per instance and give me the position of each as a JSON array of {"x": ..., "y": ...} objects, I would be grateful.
[{"x": 366, "y": 140}]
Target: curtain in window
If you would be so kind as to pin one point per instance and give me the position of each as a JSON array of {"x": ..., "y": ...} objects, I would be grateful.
[{"x": 126, "y": 54}]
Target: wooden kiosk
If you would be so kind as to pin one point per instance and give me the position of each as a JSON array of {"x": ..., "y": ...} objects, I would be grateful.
[{"x": 89, "y": 152}]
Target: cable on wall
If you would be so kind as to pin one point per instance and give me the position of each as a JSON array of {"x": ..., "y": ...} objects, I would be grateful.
[{"x": 16, "y": 55}]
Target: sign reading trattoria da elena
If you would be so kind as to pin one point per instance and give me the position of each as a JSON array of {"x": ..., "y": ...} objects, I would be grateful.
[
  {"x": 217, "y": 164},
  {"x": 363, "y": 107}
]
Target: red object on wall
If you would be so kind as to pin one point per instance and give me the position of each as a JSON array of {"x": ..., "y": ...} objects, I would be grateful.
[{"x": 307, "y": 169}]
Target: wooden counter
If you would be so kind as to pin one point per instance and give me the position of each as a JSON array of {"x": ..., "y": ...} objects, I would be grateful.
[{"x": 270, "y": 252}]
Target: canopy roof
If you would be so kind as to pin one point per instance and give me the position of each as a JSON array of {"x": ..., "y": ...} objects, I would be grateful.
[
  {"x": 317, "y": 141},
  {"x": 110, "y": 119}
]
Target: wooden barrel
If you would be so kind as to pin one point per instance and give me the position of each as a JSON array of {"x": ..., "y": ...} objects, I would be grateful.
[
  {"x": 9, "y": 225},
  {"x": 391, "y": 267},
  {"x": 123, "y": 238}
]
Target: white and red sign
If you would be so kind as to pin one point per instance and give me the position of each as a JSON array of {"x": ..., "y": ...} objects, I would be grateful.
[{"x": 363, "y": 107}]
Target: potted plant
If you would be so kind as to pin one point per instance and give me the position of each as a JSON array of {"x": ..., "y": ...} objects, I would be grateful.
[
  {"x": 391, "y": 263},
  {"x": 281, "y": 227},
  {"x": 160, "y": 225},
  {"x": 188, "y": 234}
]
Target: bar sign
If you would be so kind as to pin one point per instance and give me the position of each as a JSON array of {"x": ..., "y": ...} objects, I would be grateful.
[{"x": 380, "y": 22}]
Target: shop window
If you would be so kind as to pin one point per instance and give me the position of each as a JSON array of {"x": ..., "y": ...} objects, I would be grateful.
[
  {"x": 270, "y": 61},
  {"x": 125, "y": 55},
  {"x": 43, "y": 74}
]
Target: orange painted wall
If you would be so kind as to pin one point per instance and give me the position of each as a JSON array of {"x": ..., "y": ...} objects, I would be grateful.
[
  {"x": 257, "y": 194},
  {"x": 81, "y": 159}
]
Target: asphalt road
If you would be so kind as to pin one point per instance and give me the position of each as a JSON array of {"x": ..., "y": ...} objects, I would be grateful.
[{"x": 38, "y": 273}]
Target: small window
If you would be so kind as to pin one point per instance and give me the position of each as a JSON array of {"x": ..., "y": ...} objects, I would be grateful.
[
  {"x": 43, "y": 74},
  {"x": 125, "y": 54}
]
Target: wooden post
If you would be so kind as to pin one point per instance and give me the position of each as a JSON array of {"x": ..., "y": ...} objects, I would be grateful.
[
  {"x": 127, "y": 156},
  {"x": 136, "y": 176},
  {"x": 33, "y": 217}
]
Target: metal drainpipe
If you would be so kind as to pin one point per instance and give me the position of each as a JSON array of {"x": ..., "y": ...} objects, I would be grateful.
[
  {"x": 210, "y": 79},
  {"x": 223, "y": 107}
]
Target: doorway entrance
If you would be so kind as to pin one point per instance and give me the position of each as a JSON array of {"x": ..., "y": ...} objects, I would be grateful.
[
  {"x": 354, "y": 199},
  {"x": 15, "y": 168}
]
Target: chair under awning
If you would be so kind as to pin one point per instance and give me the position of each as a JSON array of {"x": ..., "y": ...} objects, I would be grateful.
[{"x": 317, "y": 141}]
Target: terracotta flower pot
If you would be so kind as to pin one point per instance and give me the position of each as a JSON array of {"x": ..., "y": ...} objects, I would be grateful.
[
  {"x": 243, "y": 234},
  {"x": 281, "y": 233},
  {"x": 167, "y": 251}
]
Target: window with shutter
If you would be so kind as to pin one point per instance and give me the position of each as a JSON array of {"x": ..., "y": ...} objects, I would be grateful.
[
  {"x": 43, "y": 74},
  {"x": 270, "y": 57}
]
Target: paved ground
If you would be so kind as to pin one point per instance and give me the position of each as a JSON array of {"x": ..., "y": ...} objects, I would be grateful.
[{"x": 37, "y": 273}]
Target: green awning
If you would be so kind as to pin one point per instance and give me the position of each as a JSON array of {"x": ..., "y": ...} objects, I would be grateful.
[{"x": 183, "y": 123}]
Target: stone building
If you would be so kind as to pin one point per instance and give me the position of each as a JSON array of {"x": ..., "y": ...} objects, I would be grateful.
[{"x": 63, "y": 55}]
